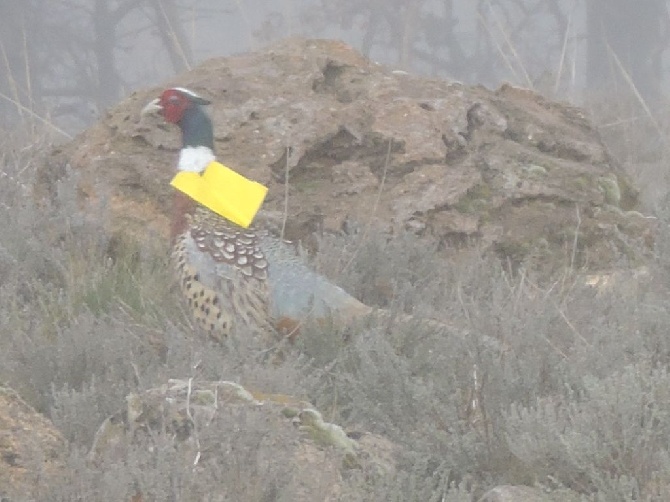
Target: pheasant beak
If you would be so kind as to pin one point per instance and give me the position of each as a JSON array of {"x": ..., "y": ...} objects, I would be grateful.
[{"x": 152, "y": 107}]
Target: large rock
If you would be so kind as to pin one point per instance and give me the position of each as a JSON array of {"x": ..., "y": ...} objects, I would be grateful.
[
  {"x": 506, "y": 169},
  {"x": 31, "y": 449},
  {"x": 314, "y": 454},
  {"x": 510, "y": 493}
]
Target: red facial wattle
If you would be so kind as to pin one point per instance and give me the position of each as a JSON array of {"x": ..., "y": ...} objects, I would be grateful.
[{"x": 173, "y": 105}]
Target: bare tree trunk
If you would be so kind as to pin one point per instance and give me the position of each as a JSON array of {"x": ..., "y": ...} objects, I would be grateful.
[
  {"x": 409, "y": 26},
  {"x": 630, "y": 34},
  {"x": 173, "y": 35},
  {"x": 108, "y": 84}
]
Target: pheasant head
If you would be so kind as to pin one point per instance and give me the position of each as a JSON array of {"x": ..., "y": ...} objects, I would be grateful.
[{"x": 184, "y": 108}]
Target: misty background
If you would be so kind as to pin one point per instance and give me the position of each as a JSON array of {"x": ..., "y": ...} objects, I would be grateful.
[{"x": 63, "y": 62}]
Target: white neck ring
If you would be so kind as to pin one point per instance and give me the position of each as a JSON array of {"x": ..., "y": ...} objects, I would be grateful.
[{"x": 195, "y": 159}]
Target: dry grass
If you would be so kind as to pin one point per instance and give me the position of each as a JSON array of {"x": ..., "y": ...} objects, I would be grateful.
[{"x": 514, "y": 401}]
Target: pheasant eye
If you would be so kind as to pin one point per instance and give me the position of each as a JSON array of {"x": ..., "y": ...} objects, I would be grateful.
[{"x": 173, "y": 100}]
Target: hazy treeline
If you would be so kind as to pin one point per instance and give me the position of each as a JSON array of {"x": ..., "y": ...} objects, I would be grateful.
[{"x": 66, "y": 60}]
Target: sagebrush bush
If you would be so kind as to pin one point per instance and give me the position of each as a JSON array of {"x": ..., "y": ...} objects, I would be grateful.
[
  {"x": 558, "y": 384},
  {"x": 557, "y": 344}
]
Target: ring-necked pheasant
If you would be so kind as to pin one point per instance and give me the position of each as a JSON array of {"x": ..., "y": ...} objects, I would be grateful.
[{"x": 237, "y": 280}]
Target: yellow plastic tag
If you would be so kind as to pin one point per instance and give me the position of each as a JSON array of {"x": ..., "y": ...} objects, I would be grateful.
[{"x": 224, "y": 191}]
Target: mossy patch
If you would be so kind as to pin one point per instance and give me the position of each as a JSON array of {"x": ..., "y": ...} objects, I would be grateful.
[
  {"x": 535, "y": 170},
  {"x": 609, "y": 186},
  {"x": 474, "y": 200}
]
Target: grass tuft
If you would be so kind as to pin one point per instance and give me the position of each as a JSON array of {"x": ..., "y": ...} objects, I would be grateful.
[{"x": 507, "y": 395}]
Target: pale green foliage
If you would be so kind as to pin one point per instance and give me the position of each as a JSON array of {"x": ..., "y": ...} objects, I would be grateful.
[
  {"x": 608, "y": 437},
  {"x": 539, "y": 384}
]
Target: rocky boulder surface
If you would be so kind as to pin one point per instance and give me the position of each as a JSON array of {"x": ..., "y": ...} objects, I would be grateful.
[
  {"x": 508, "y": 493},
  {"x": 31, "y": 448},
  {"x": 343, "y": 142},
  {"x": 315, "y": 455}
]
